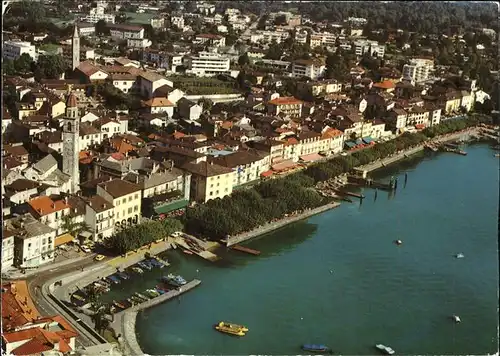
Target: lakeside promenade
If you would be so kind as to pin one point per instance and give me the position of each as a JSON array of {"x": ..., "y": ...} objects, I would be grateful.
[{"x": 274, "y": 225}]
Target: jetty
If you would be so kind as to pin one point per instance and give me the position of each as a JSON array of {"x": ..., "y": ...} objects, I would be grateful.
[
  {"x": 124, "y": 321},
  {"x": 196, "y": 246},
  {"x": 449, "y": 148},
  {"x": 245, "y": 249},
  {"x": 162, "y": 261}
]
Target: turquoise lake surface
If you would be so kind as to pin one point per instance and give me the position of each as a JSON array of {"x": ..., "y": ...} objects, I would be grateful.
[{"x": 339, "y": 279}]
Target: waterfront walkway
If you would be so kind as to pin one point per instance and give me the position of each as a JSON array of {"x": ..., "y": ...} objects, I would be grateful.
[
  {"x": 233, "y": 240},
  {"x": 124, "y": 322}
]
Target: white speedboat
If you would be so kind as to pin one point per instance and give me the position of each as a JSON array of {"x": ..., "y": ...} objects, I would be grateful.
[
  {"x": 459, "y": 255},
  {"x": 385, "y": 349},
  {"x": 456, "y": 318}
]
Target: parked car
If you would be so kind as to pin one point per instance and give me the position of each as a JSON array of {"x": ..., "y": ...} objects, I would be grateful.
[
  {"x": 99, "y": 257},
  {"x": 85, "y": 249}
]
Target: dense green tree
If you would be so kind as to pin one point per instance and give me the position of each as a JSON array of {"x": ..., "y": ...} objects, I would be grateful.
[
  {"x": 101, "y": 28},
  {"x": 24, "y": 63},
  {"x": 8, "y": 67},
  {"x": 243, "y": 60},
  {"x": 50, "y": 67}
]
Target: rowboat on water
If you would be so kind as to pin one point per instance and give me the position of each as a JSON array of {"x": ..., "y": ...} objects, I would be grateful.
[{"x": 315, "y": 348}]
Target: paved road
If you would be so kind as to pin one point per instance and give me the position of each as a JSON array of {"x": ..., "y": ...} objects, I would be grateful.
[{"x": 36, "y": 282}]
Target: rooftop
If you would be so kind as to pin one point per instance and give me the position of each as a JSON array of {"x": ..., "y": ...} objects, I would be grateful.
[{"x": 118, "y": 188}]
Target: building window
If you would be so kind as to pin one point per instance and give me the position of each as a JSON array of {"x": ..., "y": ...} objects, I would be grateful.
[
  {"x": 130, "y": 210},
  {"x": 124, "y": 200},
  {"x": 211, "y": 193},
  {"x": 136, "y": 208},
  {"x": 117, "y": 203},
  {"x": 136, "y": 196}
]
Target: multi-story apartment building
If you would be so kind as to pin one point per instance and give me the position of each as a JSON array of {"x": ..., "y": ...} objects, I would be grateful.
[
  {"x": 13, "y": 50},
  {"x": 169, "y": 61},
  {"x": 301, "y": 36},
  {"x": 177, "y": 21},
  {"x": 247, "y": 165},
  {"x": 126, "y": 200},
  {"x": 372, "y": 47},
  {"x": 418, "y": 70},
  {"x": 34, "y": 242},
  {"x": 97, "y": 13},
  {"x": 50, "y": 212},
  {"x": 312, "y": 68},
  {"x": 209, "y": 181},
  {"x": 125, "y": 32},
  {"x": 210, "y": 39},
  {"x": 322, "y": 39},
  {"x": 100, "y": 216},
  {"x": 269, "y": 36},
  {"x": 207, "y": 64},
  {"x": 7, "y": 249},
  {"x": 287, "y": 105}
]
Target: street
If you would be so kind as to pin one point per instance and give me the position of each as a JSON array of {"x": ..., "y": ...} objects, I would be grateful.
[{"x": 36, "y": 282}]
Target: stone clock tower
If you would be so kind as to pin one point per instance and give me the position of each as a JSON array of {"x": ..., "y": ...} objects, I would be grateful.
[
  {"x": 75, "y": 48},
  {"x": 71, "y": 142}
]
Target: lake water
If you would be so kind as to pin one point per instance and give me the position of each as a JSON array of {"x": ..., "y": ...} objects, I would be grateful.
[{"x": 339, "y": 279}]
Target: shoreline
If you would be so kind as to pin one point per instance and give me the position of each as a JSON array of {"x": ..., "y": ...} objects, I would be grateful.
[
  {"x": 383, "y": 163},
  {"x": 271, "y": 226}
]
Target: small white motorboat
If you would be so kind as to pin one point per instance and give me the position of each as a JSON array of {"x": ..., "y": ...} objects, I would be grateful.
[
  {"x": 456, "y": 318},
  {"x": 385, "y": 349},
  {"x": 398, "y": 242},
  {"x": 459, "y": 255}
]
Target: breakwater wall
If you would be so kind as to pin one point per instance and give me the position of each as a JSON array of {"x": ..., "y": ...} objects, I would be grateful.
[
  {"x": 233, "y": 240},
  {"x": 405, "y": 154},
  {"x": 124, "y": 322}
]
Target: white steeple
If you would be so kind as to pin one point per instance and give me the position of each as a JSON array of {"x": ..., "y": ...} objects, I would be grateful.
[{"x": 75, "y": 48}]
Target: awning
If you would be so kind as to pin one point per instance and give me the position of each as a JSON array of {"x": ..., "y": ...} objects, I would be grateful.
[
  {"x": 168, "y": 207},
  {"x": 358, "y": 141},
  {"x": 420, "y": 126},
  {"x": 367, "y": 139},
  {"x": 350, "y": 144},
  {"x": 63, "y": 239},
  {"x": 311, "y": 157},
  {"x": 266, "y": 174},
  {"x": 283, "y": 165}
]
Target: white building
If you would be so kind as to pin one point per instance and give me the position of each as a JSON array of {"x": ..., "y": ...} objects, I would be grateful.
[
  {"x": 150, "y": 81},
  {"x": 99, "y": 214},
  {"x": 34, "y": 241},
  {"x": 207, "y": 64},
  {"x": 138, "y": 43},
  {"x": 159, "y": 105},
  {"x": 124, "y": 32},
  {"x": 97, "y": 13},
  {"x": 124, "y": 82},
  {"x": 322, "y": 39},
  {"x": 177, "y": 21},
  {"x": 7, "y": 249},
  {"x": 311, "y": 68},
  {"x": 126, "y": 199},
  {"x": 418, "y": 70},
  {"x": 372, "y": 47},
  {"x": 13, "y": 50},
  {"x": 210, "y": 39}
]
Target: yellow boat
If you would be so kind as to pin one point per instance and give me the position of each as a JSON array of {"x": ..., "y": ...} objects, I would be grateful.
[{"x": 229, "y": 328}]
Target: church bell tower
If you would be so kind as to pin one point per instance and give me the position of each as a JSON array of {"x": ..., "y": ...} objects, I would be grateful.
[{"x": 71, "y": 141}]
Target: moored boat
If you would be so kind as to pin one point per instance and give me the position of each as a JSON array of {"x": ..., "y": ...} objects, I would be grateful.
[
  {"x": 137, "y": 269},
  {"x": 122, "y": 275},
  {"x": 78, "y": 297},
  {"x": 385, "y": 349},
  {"x": 315, "y": 348},
  {"x": 145, "y": 265},
  {"x": 141, "y": 296},
  {"x": 119, "y": 305},
  {"x": 153, "y": 293},
  {"x": 114, "y": 279},
  {"x": 174, "y": 280},
  {"x": 228, "y": 328},
  {"x": 187, "y": 252},
  {"x": 155, "y": 263}
]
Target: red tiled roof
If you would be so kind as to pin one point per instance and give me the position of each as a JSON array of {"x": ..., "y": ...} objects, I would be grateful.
[
  {"x": 285, "y": 100},
  {"x": 158, "y": 102},
  {"x": 330, "y": 133},
  {"x": 386, "y": 84},
  {"x": 44, "y": 205}
]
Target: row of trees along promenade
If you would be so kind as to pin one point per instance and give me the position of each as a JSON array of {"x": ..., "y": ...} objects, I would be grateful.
[{"x": 274, "y": 199}]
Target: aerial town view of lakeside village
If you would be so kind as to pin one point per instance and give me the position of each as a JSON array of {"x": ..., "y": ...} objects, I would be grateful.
[{"x": 249, "y": 177}]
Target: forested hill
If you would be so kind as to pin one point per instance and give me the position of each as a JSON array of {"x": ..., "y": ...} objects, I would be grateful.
[{"x": 429, "y": 17}]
